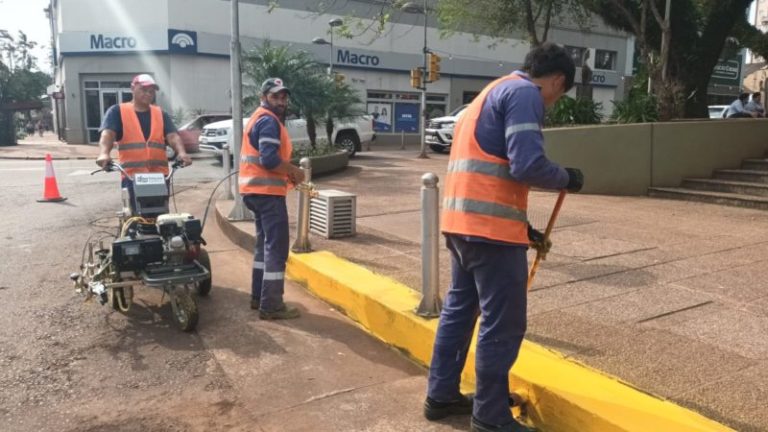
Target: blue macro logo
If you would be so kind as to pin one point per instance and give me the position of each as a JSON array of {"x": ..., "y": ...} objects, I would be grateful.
[{"x": 182, "y": 41}]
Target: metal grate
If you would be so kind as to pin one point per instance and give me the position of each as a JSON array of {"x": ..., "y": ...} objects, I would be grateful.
[{"x": 332, "y": 214}]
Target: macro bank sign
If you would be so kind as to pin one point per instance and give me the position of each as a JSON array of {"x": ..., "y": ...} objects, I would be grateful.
[{"x": 171, "y": 40}]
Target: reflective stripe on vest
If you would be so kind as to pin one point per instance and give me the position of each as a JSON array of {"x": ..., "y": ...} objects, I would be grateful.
[
  {"x": 137, "y": 154},
  {"x": 481, "y": 198},
  {"x": 254, "y": 178}
]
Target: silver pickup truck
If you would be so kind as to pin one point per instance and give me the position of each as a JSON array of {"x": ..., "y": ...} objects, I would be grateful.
[{"x": 348, "y": 134}]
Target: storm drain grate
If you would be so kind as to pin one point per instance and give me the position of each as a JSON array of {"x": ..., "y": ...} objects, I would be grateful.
[{"x": 332, "y": 214}]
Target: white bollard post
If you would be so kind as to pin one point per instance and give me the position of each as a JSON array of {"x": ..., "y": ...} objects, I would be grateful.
[
  {"x": 306, "y": 191},
  {"x": 430, "y": 242}
]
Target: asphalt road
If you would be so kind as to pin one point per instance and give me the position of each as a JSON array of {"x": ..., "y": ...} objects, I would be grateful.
[{"x": 66, "y": 365}]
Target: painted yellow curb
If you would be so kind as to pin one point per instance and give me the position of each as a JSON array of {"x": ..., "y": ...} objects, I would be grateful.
[{"x": 564, "y": 396}]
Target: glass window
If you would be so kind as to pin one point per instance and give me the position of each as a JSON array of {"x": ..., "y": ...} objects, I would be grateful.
[
  {"x": 92, "y": 109},
  {"x": 605, "y": 60},
  {"x": 577, "y": 54},
  {"x": 379, "y": 95},
  {"x": 91, "y": 84}
]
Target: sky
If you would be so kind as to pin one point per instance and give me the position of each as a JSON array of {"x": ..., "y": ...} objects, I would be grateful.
[{"x": 28, "y": 16}]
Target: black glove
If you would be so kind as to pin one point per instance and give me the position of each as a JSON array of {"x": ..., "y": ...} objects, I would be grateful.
[
  {"x": 575, "y": 180},
  {"x": 537, "y": 242}
]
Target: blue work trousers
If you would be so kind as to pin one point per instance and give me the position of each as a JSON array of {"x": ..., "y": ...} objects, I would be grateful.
[
  {"x": 488, "y": 280},
  {"x": 271, "y": 250}
]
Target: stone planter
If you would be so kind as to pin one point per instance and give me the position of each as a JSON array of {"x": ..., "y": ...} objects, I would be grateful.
[{"x": 327, "y": 164}]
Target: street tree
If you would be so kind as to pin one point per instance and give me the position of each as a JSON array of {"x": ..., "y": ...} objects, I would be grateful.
[
  {"x": 314, "y": 94},
  {"x": 681, "y": 54},
  {"x": 509, "y": 18}
]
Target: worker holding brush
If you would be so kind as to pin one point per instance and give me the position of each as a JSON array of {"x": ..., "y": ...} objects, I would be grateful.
[{"x": 497, "y": 156}]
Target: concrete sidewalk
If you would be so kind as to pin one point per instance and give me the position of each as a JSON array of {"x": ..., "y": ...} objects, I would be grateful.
[
  {"x": 35, "y": 147},
  {"x": 669, "y": 296}
]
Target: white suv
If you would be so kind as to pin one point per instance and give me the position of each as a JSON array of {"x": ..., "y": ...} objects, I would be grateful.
[
  {"x": 348, "y": 134},
  {"x": 439, "y": 131}
]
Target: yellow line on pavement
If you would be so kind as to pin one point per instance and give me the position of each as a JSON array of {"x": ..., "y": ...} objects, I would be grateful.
[{"x": 564, "y": 396}]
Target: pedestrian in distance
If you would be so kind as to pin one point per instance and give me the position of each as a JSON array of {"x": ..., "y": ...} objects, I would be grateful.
[
  {"x": 736, "y": 109},
  {"x": 754, "y": 105},
  {"x": 40, "y": 127},
  {"x": 141, "y": 130},
  {"x": 265, "y": 174},
  {"x": 497, "y": 156}
]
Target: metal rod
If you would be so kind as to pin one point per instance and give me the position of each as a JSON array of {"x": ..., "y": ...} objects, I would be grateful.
[
  {"x": 226, "y": 161},
  {"x": 238, "y": 211},
  {"x": 423, "y": 153},
  {"x": 430, "y": 277},
  {"x": 306, "y": 190},
  {"x": 330, "y": 56},
  {"x": 547, "y": 232}
]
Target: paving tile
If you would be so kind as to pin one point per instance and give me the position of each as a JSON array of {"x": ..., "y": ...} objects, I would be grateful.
[
  {"x": 639, "y": 305},
  {"x": 663, "y": 363},
  {"x": 735, "y": 330},
  {"x": 738, "y": 399},
  {"x": 738, "y": 284}
]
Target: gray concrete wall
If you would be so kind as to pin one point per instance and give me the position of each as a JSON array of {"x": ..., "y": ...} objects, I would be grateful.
[{"x": 627, "y": 159}]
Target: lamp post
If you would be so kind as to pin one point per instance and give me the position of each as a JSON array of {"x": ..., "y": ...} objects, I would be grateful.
[
  {"x": 321, "y": 41},
  {"x": 413, "y": 7}
]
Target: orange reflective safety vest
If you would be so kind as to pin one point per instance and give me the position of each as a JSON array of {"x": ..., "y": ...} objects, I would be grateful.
[
  {"x": 137, "y": 154},
  {"x": 254, "y": 178},
  {"x": 481, "y": 199}
]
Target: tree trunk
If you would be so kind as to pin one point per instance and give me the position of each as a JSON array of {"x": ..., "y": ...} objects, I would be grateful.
[
  {"x": 7, "y": 129},
  {"x": 329, "y": 130},
  {"x": 311, "y": 130}
]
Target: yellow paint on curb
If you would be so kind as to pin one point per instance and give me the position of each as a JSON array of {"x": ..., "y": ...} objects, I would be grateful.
[{"x": 564, "y": 396}]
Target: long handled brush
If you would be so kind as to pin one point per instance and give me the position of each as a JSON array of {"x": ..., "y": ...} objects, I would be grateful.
[{"x": 547, "y": 232}]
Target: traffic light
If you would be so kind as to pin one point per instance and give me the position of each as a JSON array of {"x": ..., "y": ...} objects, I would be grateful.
[
  {"x": 434, "y": 67},
  {"x": 416, "y": 75}
]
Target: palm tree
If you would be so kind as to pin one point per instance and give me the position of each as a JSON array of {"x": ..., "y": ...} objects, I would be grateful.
[
  {"x": 313, "y": 94},
  {"x": 23, "y": 46}
]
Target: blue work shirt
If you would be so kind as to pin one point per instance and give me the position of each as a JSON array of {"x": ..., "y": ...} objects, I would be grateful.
[
  {"x": 509, "y": 127},
  {"x": 114, "y": 122},
  {"x": 264, "y": 136}
]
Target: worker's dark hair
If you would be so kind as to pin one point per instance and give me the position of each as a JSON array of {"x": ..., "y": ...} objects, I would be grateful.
[
  {"x": 756, "y": 95},
  {"x": 547, "y": 59},
  {"x": 744, "y": 96}
]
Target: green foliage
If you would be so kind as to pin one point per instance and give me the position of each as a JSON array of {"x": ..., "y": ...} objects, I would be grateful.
[
  {"x": 637, "y": 108},
  {"x": 569, "y": 111},
  {"x": 314, "y": 94},
  {"x": 530, "y": 19},
  {"x": 322, "y": 149}
]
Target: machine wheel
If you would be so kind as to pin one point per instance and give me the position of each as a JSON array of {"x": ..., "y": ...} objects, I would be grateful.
[
  {"x": 184, "y": 308},
  {"x": 204, "y": 288},
  {"x": 120, "y": 298},
  {"x": 348, "y": 141}
]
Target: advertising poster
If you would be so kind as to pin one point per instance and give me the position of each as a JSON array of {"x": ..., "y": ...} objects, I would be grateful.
[
  {"x": 407, "y": 117},
  {"x": 382, "y": 116}
]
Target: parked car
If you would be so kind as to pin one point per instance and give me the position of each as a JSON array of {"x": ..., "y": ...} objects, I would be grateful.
[
  {"x": 348, "y": 134},
  {"x": 190, "y": 131},
  {"x": 717, "y": 111},
  {"x": 439, "y": 131}
]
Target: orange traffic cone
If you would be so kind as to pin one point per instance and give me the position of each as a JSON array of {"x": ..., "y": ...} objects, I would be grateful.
[{"x": 51, "y": 192}]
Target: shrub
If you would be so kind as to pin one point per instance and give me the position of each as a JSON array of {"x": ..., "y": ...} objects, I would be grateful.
[
  {"x": 637, "y": 108},
  {"x": 569, "y": 111}
]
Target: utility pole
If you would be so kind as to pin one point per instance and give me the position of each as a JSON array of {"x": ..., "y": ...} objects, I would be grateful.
[{"x": 238, "y": 211}]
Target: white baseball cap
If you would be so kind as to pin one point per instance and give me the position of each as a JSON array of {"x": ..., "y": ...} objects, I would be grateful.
[{"x": 145, "y": 80}]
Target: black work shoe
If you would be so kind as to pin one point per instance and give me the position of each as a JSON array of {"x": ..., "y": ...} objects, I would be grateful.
[
  {"x": 255, "y": 304},
  {"x": 478, "y": 426},
  {"x": 434, "y": 410},
  {"x": 285, "y": 312}
]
